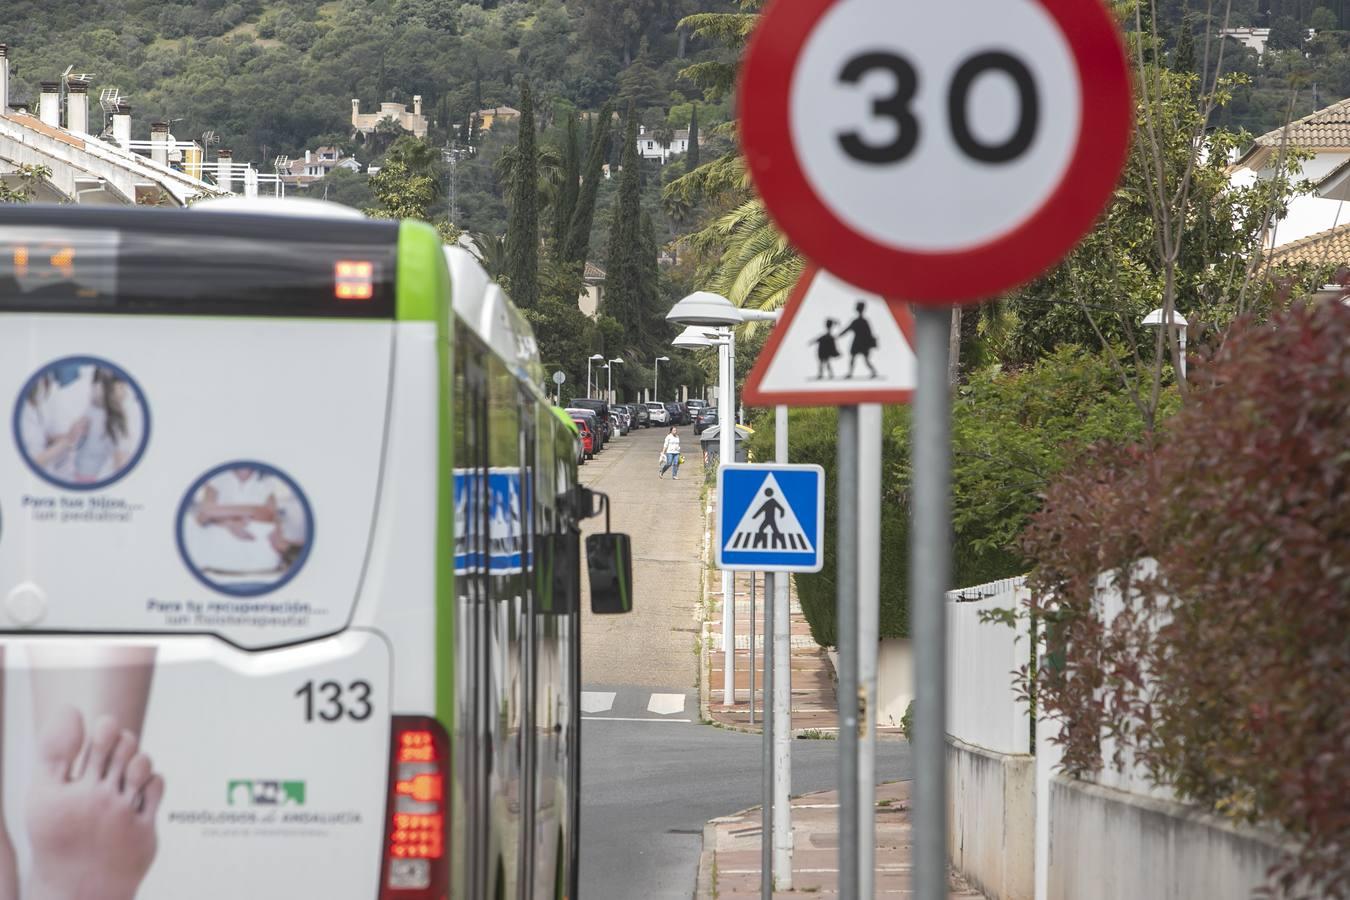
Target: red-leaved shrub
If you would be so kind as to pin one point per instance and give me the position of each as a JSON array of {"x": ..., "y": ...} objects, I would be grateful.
[{"x": 1228, "y": 674}]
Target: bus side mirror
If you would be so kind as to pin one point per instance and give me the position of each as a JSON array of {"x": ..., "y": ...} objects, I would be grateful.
[{"x": 609, "y": 558}]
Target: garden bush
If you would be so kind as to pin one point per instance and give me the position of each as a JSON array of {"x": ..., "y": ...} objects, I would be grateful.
[
  {"x": 1011, "y": 432},
  {"x": 1228, "y": 676}
]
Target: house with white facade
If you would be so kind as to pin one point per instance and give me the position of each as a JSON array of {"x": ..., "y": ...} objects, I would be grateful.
[
  {"x": 1326, "y": 135},
  {"x": 318, "y": 164},
  {"x": 366, "y": 123},
  {"x": 651, "y": 147}
]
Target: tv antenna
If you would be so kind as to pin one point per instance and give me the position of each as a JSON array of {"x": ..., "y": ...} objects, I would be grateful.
[
  {"x": 110, "y": 98},
  {"x": 281, "y": 162}
]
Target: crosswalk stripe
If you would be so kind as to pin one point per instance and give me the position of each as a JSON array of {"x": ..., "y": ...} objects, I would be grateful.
[
  {"x": 666, "y": 704},
  {"x": 597, "y": 701}
]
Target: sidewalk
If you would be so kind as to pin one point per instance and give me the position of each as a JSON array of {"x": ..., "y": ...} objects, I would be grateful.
[
  {"x": 815, "y": 711},
  {"x": 729, "y": 866}
]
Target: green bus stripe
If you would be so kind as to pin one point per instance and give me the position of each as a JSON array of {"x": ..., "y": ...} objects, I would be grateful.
[{"x": 423, "y": 295}]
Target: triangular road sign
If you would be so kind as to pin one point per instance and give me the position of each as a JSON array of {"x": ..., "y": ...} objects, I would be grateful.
[
  {"x": 835, "y": 345},
  {"x": 769, "y": 524}
]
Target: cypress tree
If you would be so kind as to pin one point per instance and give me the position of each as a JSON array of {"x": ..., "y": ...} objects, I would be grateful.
[
  {"x": 625, "y": 283},
  {"x": 579, "y": 232},
  {"x": 522, "y": 228},
  {"x": 566, "y": 203},
  {"x": 692, "y": 155}
]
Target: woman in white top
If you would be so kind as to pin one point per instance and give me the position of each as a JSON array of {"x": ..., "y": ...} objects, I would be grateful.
[{"x": 670, "y": 453}]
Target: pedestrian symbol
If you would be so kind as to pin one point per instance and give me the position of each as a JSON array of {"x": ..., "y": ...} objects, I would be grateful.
[
  {"x": 860, "y": 344},
  {"x": 769, "y": 517}
]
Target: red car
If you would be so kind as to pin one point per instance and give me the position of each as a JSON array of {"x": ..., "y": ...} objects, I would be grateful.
[{"x": 587, "y": 439}]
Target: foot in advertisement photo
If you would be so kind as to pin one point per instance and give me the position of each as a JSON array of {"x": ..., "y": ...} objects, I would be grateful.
[{"x": 91, "y": 813}]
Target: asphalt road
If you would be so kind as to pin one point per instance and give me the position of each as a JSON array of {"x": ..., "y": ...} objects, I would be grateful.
[{"x": 652, "y": 776}]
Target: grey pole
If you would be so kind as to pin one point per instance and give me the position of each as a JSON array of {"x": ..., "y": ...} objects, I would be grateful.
[
  {"x": 752, "y": 645},
  {"x": 846, "y": 624},
  {"x": 930, "y": 572},
  {"x": 781, "y": 692},
  {"x": 726, "y": 452},
  {"x": 869, "y": 624},
  {"x": 766, "y": 813}
]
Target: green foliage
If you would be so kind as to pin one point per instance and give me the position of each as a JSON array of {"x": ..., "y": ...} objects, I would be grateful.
[
  {"x": 1226, "y": 674},
  {"x": 579, "y": 232},
  {"x": 522, "y": 231},
  {"x": 402, "y": 194},
  {"x": 29, "y": 177},
  {"x": 1011, "y": 432},
  {"x": 628, "y": 287},
  {"x": 569, "y": 187},
  {"x": 693, "y": 156},
  {"x": 907, "y": 721}
]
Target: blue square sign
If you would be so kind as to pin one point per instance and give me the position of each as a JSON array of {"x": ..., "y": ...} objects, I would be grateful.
[{"x": 770, "y": 518}]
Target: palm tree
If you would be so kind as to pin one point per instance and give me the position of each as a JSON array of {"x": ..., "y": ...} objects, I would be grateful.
[
  {"x": 490, "y": 249},
  {"x": 757, "y": 267}
]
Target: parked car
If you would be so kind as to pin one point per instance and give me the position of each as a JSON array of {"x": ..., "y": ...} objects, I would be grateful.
[
  {"x": 625, "y": 420},
  {"x": 696, "y": 407},
  {"x": 615, "y": 428},
  {"x": 641, "y": 416},
  {"x": 592, "y": 418},
  {"x": 601, "y": 409},
  {"x": 707, "y": 416},
  {"x": 677, "y": 414},
  {"x": 587, "y": 437},
  {"x": 658, "y": 414}
]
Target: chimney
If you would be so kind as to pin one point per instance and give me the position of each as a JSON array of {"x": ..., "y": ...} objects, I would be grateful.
[
  {"x": 4, "y": 79},
  {"x": 49, "y": 103},
  {"x": 417, "y": 104},
  {"x": 159, "y": 142},
  {"x": 121, "y": 126},
  {"x": 250, "y": 182},
  {"x": 77, "y": 106},
  {"x": 307, "y": 160},
  {"x": 224, "y": 177}
]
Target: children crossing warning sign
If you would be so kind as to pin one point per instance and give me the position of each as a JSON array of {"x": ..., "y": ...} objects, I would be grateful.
[{"x": 770, "y": 517}]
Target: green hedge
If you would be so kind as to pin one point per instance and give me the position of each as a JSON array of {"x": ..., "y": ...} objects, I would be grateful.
[{"x": 1011, "y": 431}]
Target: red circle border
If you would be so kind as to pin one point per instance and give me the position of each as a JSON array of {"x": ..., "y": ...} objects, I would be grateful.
[{"x": 937, "y": 279}]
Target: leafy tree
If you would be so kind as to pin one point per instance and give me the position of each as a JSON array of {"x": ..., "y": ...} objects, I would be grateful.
[
  {"x": 569, "y": 187},
  {"x": 1285, "y": 34},
  {"x": 626, "y": 290},
  {"x": 400, "y": 194},
  {"x": 491, "y": 253},
  {"x": 522, "y": 230},
  {"x": 579, "y": 232},
  {"x": 30, "y": 177}
]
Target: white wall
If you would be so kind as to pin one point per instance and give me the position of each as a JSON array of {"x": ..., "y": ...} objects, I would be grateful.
[{"x": 982, "y": 708}]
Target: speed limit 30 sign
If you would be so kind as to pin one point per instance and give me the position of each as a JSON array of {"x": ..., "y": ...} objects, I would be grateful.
[{"x": 937, "y": 152}]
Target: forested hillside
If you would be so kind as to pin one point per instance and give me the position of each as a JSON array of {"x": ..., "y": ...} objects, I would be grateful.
[{"x": 276, "y": 77}]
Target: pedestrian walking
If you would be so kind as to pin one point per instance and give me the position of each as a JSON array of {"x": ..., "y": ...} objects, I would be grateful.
[{"x": 670, "y": 454}]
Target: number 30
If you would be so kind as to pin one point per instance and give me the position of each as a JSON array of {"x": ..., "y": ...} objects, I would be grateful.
[{"x": 896, "y": 108}]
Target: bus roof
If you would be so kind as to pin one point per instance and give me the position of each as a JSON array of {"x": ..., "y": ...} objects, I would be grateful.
[{"x": 481, "y": 304}]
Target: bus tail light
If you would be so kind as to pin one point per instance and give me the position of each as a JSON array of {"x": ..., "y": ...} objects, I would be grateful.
[
  {"x": 416, "y": 848},
  {"x": 353, "y": 279}
]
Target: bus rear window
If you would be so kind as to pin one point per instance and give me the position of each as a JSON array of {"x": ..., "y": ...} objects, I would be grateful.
[{"x": 167, "y": 269}]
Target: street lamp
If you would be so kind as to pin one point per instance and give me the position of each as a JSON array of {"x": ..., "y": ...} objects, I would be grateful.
[
  {"x": 590, "y": 360},
  {"x": 656, "y": 381},
  {"x": 1177, "y": 321},
  {"x": 609, "y": 379},
  {"x": 705, "y": 310}
]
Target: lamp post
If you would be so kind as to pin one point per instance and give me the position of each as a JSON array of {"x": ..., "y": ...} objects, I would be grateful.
[
  {"x": 609, "y": 379},
  {"x": 589, "y": 360},
  {"x": 656, "y": 381},
  {"x": 1177, "y": 321},
  {"x": 704, "y": 310}
]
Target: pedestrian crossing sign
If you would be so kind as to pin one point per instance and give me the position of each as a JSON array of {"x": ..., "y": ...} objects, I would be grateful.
[{"x": 770, "y": 518}]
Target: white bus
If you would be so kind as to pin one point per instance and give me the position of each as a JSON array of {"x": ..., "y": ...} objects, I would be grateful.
[{"x": 289, "y": 565}]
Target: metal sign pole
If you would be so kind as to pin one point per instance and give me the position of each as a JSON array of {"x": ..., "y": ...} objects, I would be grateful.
[
  {"x": 726, "y": 452},
  {"x": 767, "y": 811},
  {"x": 846, "y": 623},
  {"x": 752, "y": 645},
  {"x": 869, "y": 627},
  {"x": 930, "y": 572},
  {"x": 781, "y": 693}
]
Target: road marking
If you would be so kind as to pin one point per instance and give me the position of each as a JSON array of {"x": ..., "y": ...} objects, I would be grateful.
[
  {"x": 626, "y": 719},
  {"x": 666, "y": 704},
  {"x": 597, "y": 701}
]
